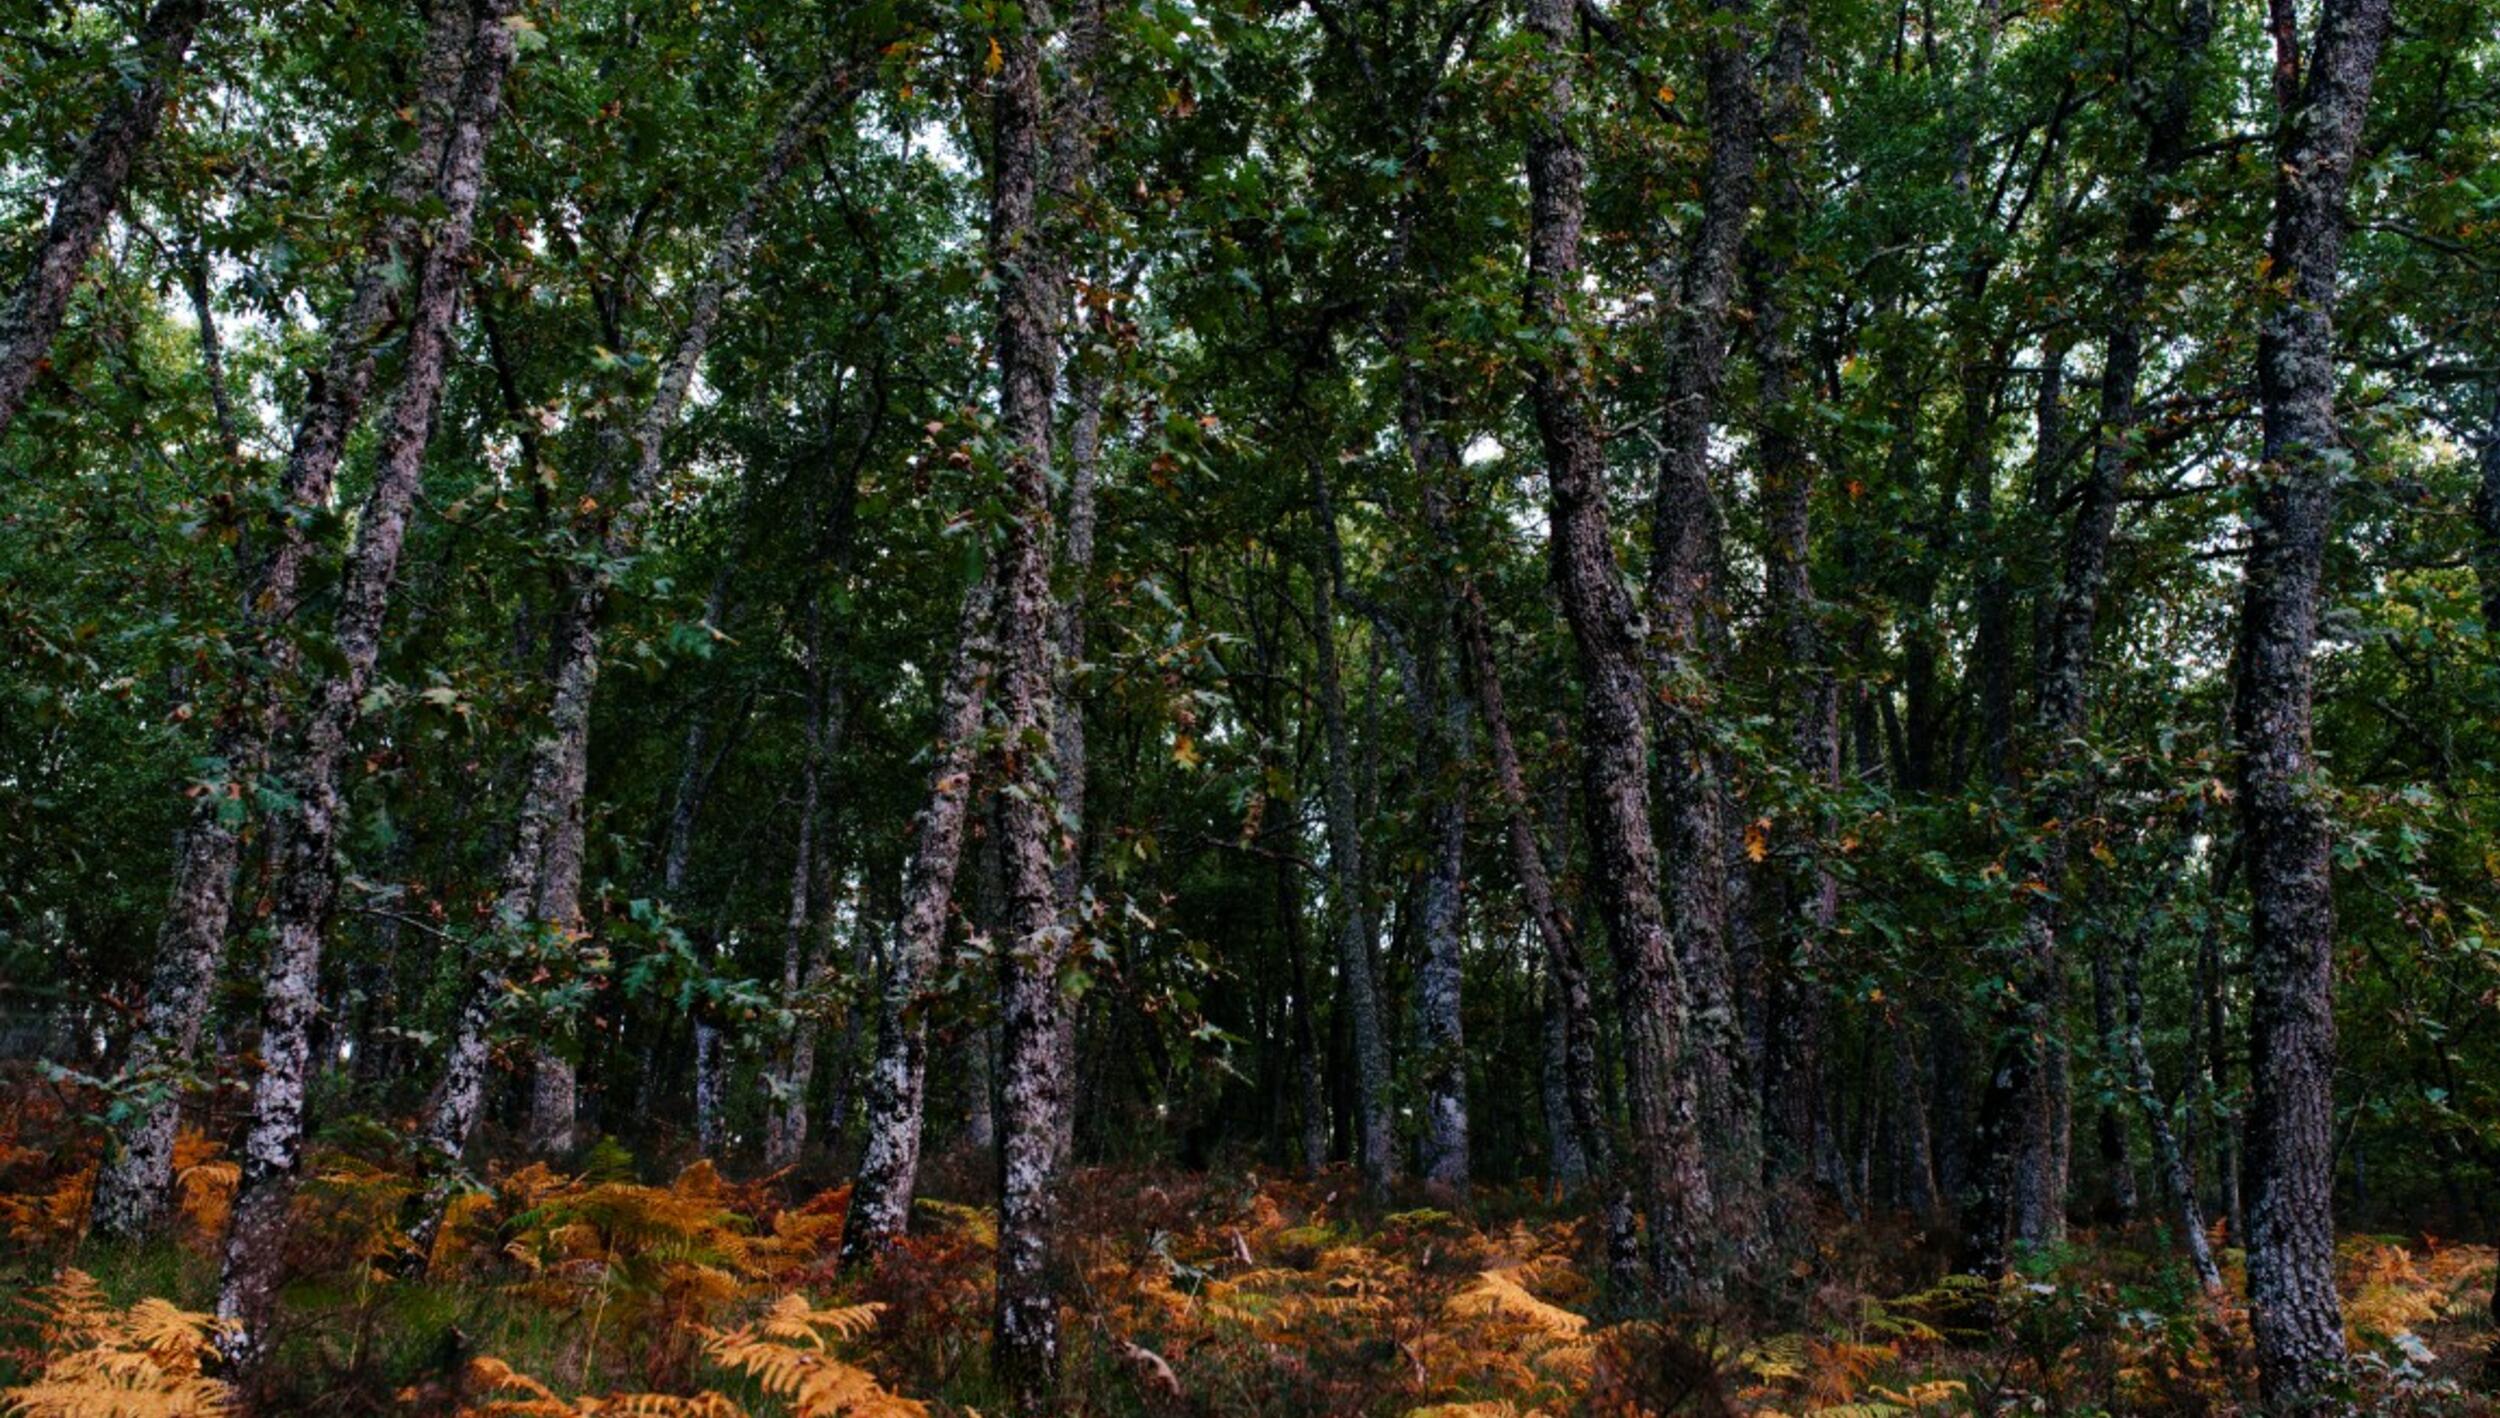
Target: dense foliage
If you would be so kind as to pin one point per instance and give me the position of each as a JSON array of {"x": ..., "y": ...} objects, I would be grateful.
[{"x": 1796, "y": 702}]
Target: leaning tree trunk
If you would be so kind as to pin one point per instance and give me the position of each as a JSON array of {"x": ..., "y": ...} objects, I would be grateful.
[
  {"x": 2178, "y": 1181},
  {"x": 1672, "y": 1182},
  {"x": 889, "y": 1164},
  {"x": 1683, "y": 593},
  {"x": 309, "y": 873},
  {"x": 1358, "y": 992},
  {"x": 89, "y": 196},
  {"x": 542, "y": 871},
  {"x": 135, "y": 1183},
  {"x": 2014, "y": 1127},
  {"x": 2291, "y": 1243}
]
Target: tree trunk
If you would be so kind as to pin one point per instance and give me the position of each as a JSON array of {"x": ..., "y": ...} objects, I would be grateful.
[
  {"x": 308, "y": 884},
  {"x": 89, "y": 195},
  {"x": 1673, "y": 1184},
  {"x": 1357, "y": 991},
  {"x": 2020, "y": 1148},
  {"x": 1034, "y": 1070},
  {"x": 1808, "y": 895},
  {"x": 135, "y": 1183},
  {"x": 2291, "y": 1243},
  {"x": 1683, "y": 602},
  {"x": 889, "y": 1163},
  {"x": 542, "y": 872}
]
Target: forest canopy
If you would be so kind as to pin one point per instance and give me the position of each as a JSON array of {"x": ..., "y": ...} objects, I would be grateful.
[{"x": 1390, "y": 706}]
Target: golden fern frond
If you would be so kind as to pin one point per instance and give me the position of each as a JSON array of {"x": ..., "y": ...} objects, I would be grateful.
[{"x": 1498, "y": 1294}]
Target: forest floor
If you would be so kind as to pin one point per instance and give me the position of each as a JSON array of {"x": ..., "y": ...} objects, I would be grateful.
[{"x": 589, "y": 1291}]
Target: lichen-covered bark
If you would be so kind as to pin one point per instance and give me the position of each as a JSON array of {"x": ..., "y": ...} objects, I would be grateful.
[
  {"x": 308, "y": 878},
  {"x": 89, "y": 195},
  {"x": 1034, "y": 1072},
  {"x": 889, "y": 1163},
  {"x": 134, "y": 1184},
  {"x": 1683, "y": 603},
  {"x": 2293, "y": 1308},
  {"x": 1672, "y": 1184},
  {"x": 1438, "y": 979}
]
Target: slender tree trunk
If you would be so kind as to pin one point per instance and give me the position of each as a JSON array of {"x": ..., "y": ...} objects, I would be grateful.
[
  {"x": 1808, "y": 895},
  {"x": 785, "y": 1129},
  {"x": 1672, "y": 1182},
  {"x": 135, "y": 1183},
  {"x": 89, "y": 195},
  {"x": 1442, "y": 751},
  {"x": 2177, "y": 1181},
  {"x": 2019, "y": 1138},
  {"x": 1357, "y": 991},
  {"x": 2291, "y": 1243},
  {"x": 308, "y": 885},
  {"x": 542, "y": 872},
  {"x": 889, "y": 1164}
]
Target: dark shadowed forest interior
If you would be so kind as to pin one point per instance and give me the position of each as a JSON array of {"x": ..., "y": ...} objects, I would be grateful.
[{"x": 1217, "y": 707}]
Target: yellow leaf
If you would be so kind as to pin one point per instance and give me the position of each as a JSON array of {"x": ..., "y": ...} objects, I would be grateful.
[{"x": 995, "y": 62}]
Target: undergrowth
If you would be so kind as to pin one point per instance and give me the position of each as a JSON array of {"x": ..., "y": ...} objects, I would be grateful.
[{"x": 551, "y": 1293}]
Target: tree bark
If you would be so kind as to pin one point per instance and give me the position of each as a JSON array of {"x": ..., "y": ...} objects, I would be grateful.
[
  {"x": 1357, "y": 991},
  {"x": 1673, "y": 1184},
  {"x": 1683, "y": 595},
  {"x": 309, "y": 873},
  {"x": 89, "y": 195},
  {"x": 1809, "y": 896},
  {"x": 2291, "y": 1243},
  {"x": 1034, "y": 1070},
  {"x": 135, "y": 1183}
]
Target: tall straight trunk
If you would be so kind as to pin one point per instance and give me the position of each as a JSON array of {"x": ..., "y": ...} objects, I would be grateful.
[
  {"x": 1067, "y": 747},
  {"x": 1076, "y": 111},
  {"x": 309, "y": 873},
  {"x": 1808, "y": 895},
  {"x": 2291, "y": 1242},
  {"x": 889, "y": 1163},
  {"x": 1672, "y": 1182},
  {"x": 136, "y": 1180},
  {"x": 541, "y": 883},
  {"x": 1034, "y": 1072},
  {"x": 1566, "y": 1159},
  {"x": 1683, "y": 603},
  {"x": 2017, "y": 1128},
  {"x": 785, "y": 1125},
  {"x": 1358, "y": 993},
  {"x": 805, "y": 957},
  {"x": 1440, "y": 718},
  {"x": 90, "y": 194}
]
